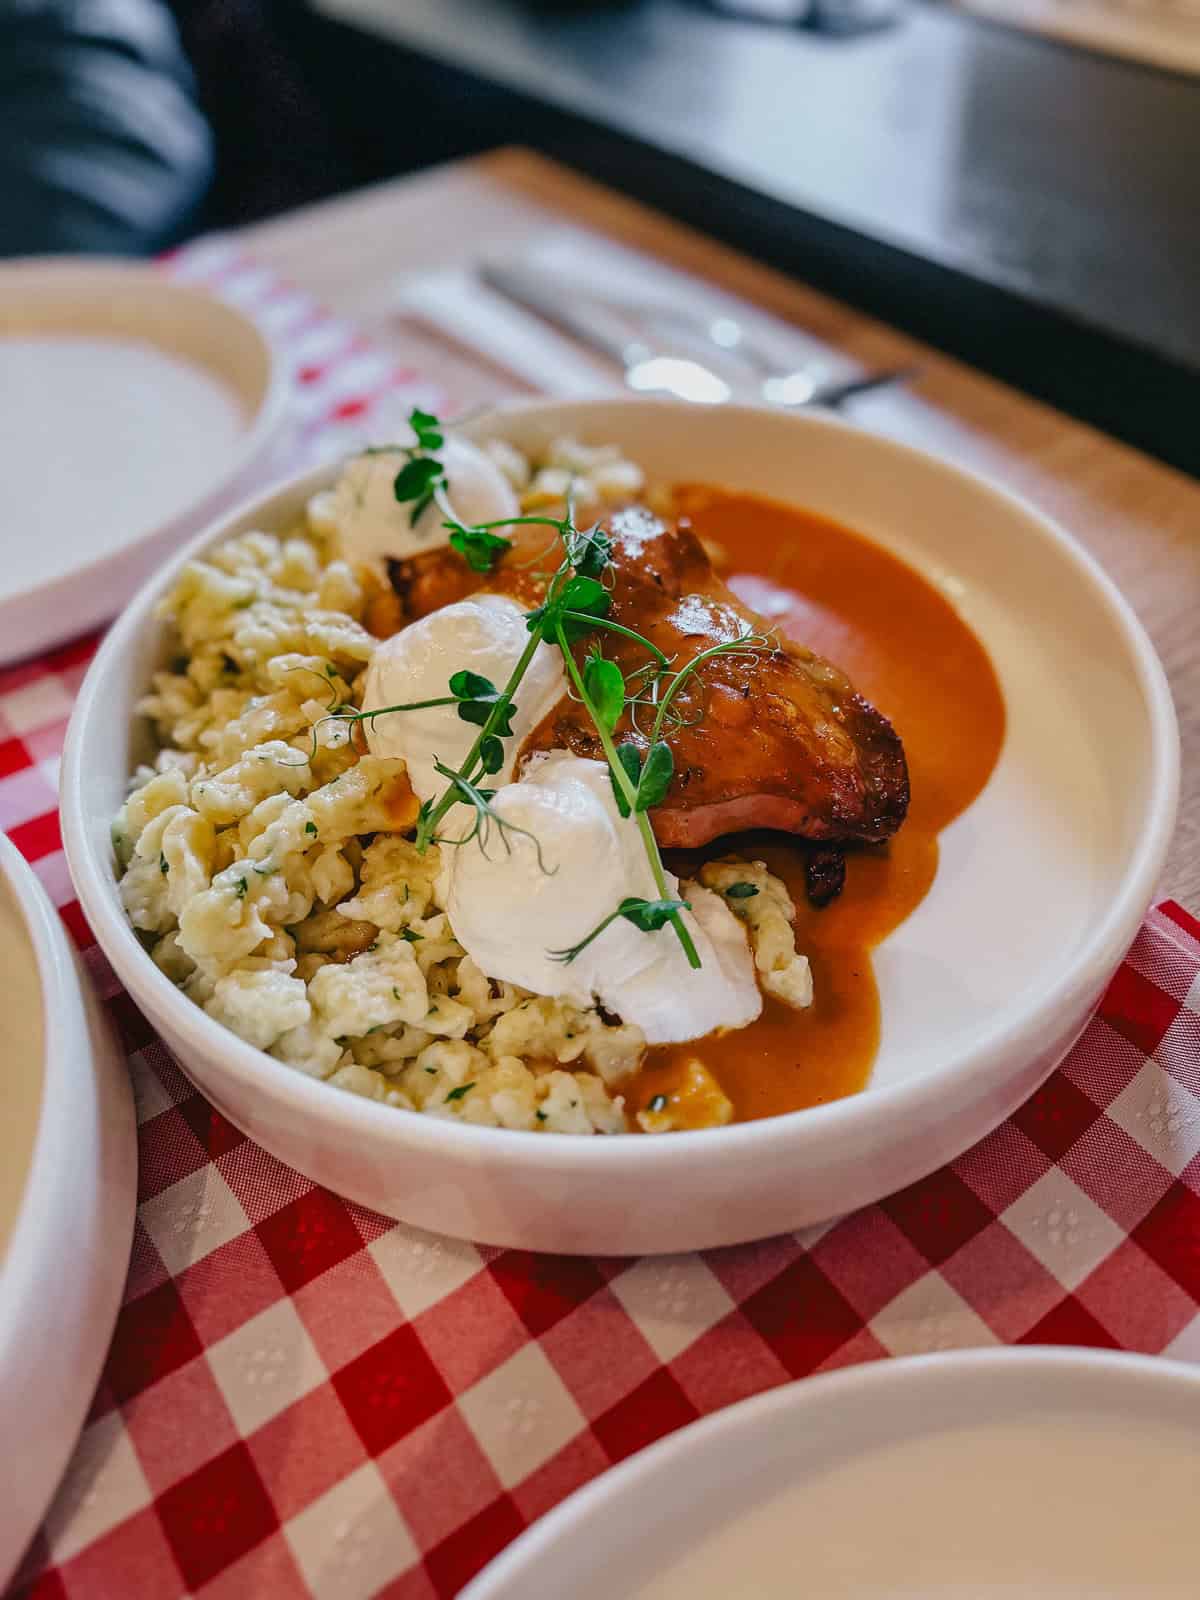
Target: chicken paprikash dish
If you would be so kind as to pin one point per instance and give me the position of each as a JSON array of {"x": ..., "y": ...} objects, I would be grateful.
[{"x": 526, "y": 793}]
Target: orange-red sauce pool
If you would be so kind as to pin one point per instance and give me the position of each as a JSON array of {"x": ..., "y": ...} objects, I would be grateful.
[{"x": 908, "y": 651}]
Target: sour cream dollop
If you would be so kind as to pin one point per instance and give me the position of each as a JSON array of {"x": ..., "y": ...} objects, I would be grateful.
[
  {"x": 485, "y": 634},
  {"x": 510, "y": 911},
  {"x": 363, "y": 508}
]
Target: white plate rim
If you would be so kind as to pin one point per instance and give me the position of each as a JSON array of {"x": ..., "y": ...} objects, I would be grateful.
[
  {"x": 517, "y": 1562},
  {"x": 254, "y": 440},
  {"x": 1104, "y": 946},
  {"x": 78, "y": 1047}
]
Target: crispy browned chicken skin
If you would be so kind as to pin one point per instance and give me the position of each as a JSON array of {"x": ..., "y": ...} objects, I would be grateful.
[{"x": 771, "y": 738}]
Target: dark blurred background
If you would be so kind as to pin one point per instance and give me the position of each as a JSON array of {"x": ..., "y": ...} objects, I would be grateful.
[
  {"x": 127, "y": 124},
  {"x": 1029, "y": 204}
]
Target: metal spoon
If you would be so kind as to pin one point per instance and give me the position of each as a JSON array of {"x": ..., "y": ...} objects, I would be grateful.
[{"x": 654, "y": 371}]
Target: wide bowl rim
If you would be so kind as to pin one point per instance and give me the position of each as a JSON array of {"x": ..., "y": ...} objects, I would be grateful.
[
  {"x": 261, "y": 424},
  {"x": 877, "y": 1109},
  {"x": 1122, "y": 1373},
  {"x": 85, "y": 1127},
  {"x": 65, "y": 1041}
]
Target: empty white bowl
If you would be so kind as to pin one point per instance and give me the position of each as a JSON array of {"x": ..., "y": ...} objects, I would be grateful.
[{"x": 1042, "y": 883}]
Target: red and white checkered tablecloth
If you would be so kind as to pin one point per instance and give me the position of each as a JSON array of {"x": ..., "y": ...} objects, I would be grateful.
[{"x": 305, "y": 1398}]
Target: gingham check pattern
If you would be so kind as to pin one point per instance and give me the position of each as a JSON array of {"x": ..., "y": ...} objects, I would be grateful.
[{"x": 305, "y": 1398}]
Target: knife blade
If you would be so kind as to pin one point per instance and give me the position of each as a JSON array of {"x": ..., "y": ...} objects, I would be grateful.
[
  {"x": 647, "y": 369},
  {"x": 654, "y": 369}
]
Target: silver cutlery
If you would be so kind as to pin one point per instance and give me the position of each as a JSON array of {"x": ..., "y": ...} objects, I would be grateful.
[
  {"x": 780, "y": 385},
  {"x": 646, "y": 369},
  {"x": 654, "y": 369}
]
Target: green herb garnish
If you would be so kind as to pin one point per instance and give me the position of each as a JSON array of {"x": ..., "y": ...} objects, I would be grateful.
[
  {"x": 625, "y": 787},
  {"x": 651, "y": 774},
  {"x": 478, "y": 548},
  {"x": 422, "y": 482},
  {"x": 427, "y": 429},
  {"x": 606, "y": 687},
  {"x": 576, "y": 604},
  {"x": 457, "y": 1094},
  {"x": 740, "y": 891},
  {"x": 646, "y": 915}
]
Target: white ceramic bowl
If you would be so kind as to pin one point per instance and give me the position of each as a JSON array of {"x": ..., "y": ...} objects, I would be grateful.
[
  {"x": 65, "y": 1252},
  {"x": 131, "y": 301},
  {"x": 1048, "y": 1473},
  {"x": 1042, "y": 883}
]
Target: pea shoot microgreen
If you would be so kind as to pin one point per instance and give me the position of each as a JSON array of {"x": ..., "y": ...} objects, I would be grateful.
[
  {"x": 422, "y": 476},
  {"x": 624, "y": 787},
  {"x": 417, "y": 480},
  {"x": 422, "y": 482},
  {"x": 650, "y": 774},
  {"x": 576, "y": 606},
  {"x": 750, "y": 642},
  {"x": 607, "y": 688},
  {"x": 646, "y": 915},
  {"x": 478, "y": 548},
  {"x": 477, "y": 698},
  {"x": 487, "y": 818}
]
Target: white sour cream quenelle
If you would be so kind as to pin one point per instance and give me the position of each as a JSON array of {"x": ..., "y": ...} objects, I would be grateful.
[
  {"x": 486, "y": 634},
  {"x": 508, "y": 913},
  {"x": 372, "y": 524}
]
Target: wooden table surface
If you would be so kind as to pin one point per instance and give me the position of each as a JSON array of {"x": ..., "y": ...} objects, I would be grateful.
[{"x": 1140, "y": 519}]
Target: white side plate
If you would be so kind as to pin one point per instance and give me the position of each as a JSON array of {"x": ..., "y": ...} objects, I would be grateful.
[
  {"x": 68, "y": 1160},
  {"x": 131, "y": 407},
  {"x": 1061, "y": 1474}
]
